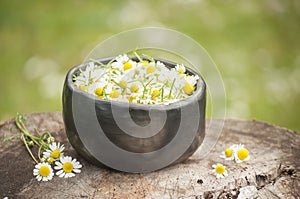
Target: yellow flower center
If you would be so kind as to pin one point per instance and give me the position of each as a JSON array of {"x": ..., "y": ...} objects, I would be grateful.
[
  {"x": 188, "y": 88},
  {"x": 134, "y": 88},
  {"x": 242, "y": 154},
  {"x": 131, "y": 98},
  {"x": 220, "y": 169},
  {"x": 55, "y": 154},
  {"x": 68, "y": 167},
  {"x": 114, "y": 94},
  {"x": 123, "y": 84},
  {"x": 145, "y": 62},
  {"x": 99, "y": 91},
  {"x": 127, "y": 66},
  {"x": 181, "y": 70},
  {"x": 44, "y": 171},
  {"x": 228, "y": 152},
  {"x": 154, "y": 94},
  {"x": 150, "y": 69}
]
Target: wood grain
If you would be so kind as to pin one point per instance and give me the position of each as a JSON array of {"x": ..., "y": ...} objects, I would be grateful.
[{"x": 272, "y": 172}]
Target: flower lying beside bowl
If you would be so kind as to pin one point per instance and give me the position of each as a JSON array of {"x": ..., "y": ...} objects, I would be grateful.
[{"x": 134, "y": 114}]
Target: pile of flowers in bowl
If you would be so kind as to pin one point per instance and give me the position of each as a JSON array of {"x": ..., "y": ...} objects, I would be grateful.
[
  {"x": 136, "y": 79},
  {"x": 131, "y": 108}
]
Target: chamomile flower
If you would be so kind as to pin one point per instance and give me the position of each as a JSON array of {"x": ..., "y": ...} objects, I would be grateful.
[
  {"x": 86, "y": 74},
  {"x": 155, "y": 93},
  {"x": 99, "y": 92},
  {"x": 188, "y": 88},
  {"x": 228, "y": 153},
  {"x": 180, "y": 68},
  {"x": 114, "y": 94},
  {"x": 241, "y": 154},
  {"x": 132, "y": 98},
  {"x": 55, "y": 151},
  {"x": 134, "y": 88},
  {"x": 150, "y": 69},
  {"x": 67, "y": 167},
  {"x": 219, "y": 170},
  {"x": 120, "y": 60},
  {"x": 122, "y": 84},
  {"x": 123, "y": 62},
  {"x": 43, "y": 171}
]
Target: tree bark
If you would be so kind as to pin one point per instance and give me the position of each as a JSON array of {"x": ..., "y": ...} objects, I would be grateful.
[{"x": 272, "y": 172}]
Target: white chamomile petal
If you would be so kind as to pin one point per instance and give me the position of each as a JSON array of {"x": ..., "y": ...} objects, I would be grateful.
[
  {"x": 43, "y": 171},
  {"x": 69, "y": 175},
  {"x": 122, "y": 58},
  {"x": 192, "y": 79},
  {"x": 58, "y": 164},
  {"x": 77, "y": 170},
  {"x": 59, "y": 172},
  {"x": 57, "y": 167},
  {"x": 117, "y": 65},
  {"x": 160, "y": 64}
]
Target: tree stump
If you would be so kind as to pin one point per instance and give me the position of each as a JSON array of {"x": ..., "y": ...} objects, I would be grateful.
[{"x": 272, "y": 172}]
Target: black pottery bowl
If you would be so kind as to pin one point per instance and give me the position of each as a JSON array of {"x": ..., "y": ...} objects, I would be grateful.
[{"x": 130, "y": 137}]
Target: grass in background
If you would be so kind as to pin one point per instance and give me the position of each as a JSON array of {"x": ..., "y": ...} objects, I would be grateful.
[{"x": 254, "y": 43}]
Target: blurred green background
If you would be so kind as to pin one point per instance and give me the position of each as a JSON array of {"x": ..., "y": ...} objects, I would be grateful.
[{"x": 255, "y": 44}]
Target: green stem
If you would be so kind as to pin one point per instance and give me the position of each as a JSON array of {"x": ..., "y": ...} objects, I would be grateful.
[
  {"x": 113, "y": 81},
  {"x": 36, "y": 142},
  {"x": 98, "y": 62},
  {"x": 39, "y": 152},
  {"x": 162, "y": 94},
  {"x": 104, "y": 94},
  {"x": 177, "y": 97},
  {"x": 111, "y": 61},
  {"x": 145, "y": 86},
  {"x": 148, "y": 82},
  {"x": 148, "y": 57},
  {"x": 135, "y": 80},
  {"x": 45, "y": 135},
  {"x": 22, "y": 128},
  {"x": 29, "y": 151},
  {"x": 90, "y": 79},
  {"x": 163, "y": 85},
  {"x": 139, "y": 58},
  {"x": 171, "y": 88}
]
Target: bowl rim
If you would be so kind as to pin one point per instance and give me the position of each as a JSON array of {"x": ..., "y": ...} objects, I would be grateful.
[{"x": 197, "y": 95}]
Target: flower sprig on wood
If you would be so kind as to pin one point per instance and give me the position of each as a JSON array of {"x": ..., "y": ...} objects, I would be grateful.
[
  {"x": 136, "y": 79},
  {"x": 236, "y": 152},
  {"x": 49, "y": 153}
]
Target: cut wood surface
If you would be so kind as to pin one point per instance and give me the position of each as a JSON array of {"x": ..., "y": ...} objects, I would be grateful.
[{"x": 272, "y": 172}]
